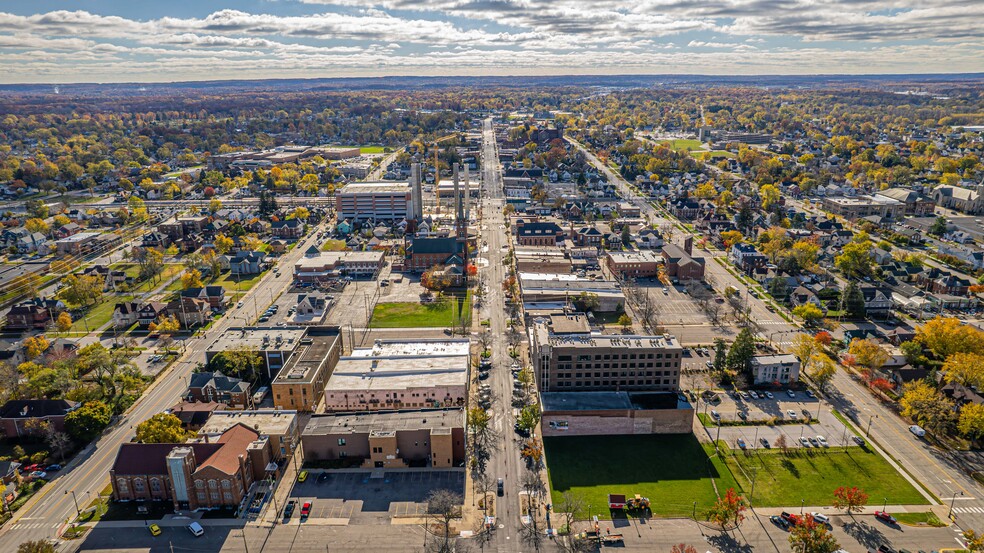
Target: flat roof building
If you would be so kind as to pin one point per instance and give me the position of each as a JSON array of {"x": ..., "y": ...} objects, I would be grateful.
[
  {"x": 379, "y": 201},
  {"x": 301, "y": 383},
  {"x": 551, "y": 287},
  {"x": 567, "y": 359},
  {"x": 279, "y": 426},
  {"x": 398, "y": 374},
  {"x": 274, "y": 344},
  {"x": 771, "y": 369},
  {"x": 333, "y": 265},
  {"x": 387, "y": 439},
  {"x": 613, "y": 413}
]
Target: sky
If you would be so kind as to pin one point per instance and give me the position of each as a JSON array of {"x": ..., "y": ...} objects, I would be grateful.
[{"x": 52, "y": 41}]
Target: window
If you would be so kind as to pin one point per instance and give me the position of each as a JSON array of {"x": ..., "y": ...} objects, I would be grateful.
[
  {"x": 200, "y": 484},
  {"x": 121, "y": 485},
  {"x": 226, "y": 484},
  {"x": 215, "y": 496},
  {"x": 155, "y": 484},
  {"x": 341, "y": 441},
  {"x": 227, "y": 496},
  {"x": 213, "y": 484},
  {"x": 138, "y": 485},
  {"x": 201, "y": 496}
]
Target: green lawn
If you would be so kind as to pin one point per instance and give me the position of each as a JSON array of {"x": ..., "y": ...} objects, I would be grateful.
[
  {"x": 813, "y": 475},
  {"x": 372, "y": 149},
  {"x": 333, "y": 245},
  {"x": 169, "y": 271},
  {"x": 232, "y": 283},
  {"x": 673, "y": 471},
  {"x": 99, "y": 314},
  {"x": 683, "y": 144},
  {"x": 919, "y": 519},
  {"x": 720, "y": 153},
  {"x": 436, "y": 314}
]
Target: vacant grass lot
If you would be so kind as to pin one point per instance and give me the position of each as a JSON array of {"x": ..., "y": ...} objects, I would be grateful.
[
  {"x": 683, "y": 144},
  {"x": 673, "y": 471},
  {"x": 99, "y": 314},
  {"x": 437, "y": 314},
  {"x": 787, "y": 480},
  {"x": 332, "y": 245}
]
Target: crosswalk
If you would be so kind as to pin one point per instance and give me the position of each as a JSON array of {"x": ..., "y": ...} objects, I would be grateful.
[
  {"x": 33, "y": 525},
  {"x": 965, "y": 510}
]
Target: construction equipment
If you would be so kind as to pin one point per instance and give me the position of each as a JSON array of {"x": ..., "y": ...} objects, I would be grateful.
[{"x": 638, "y": 503}]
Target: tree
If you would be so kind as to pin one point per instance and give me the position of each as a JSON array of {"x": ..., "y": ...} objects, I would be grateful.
[
  {"x": 811, "y": 314},
  {"x": 88, "y": 421},
  {"x": 769, "y": 194},
  {"x": 728, "y": 509},
  {"x": 36, "y": 225},
  {"x": 975, "y": 541},
  {"x": 782, "y": 443},
  {"x": 37, "y": 546},
  {"x": 731, "y": 237},
  {"x": 853, "y": 301},
  {"x": 809, "y": 536},
  {"x": 945, "y": 336},
  {"x": 63, "y": 322},
  {"x": 964, "y": 368},
  {"x": 929, "y": 408},
  {"x": 529, "y": 417},
  {"x": 150, "y": 261},
  {"x": 138, "y": 209},
  {"x": 938, "y": 227},
  {"x": 162, "y": 428},
  {"x": 301, "y": 213},
  {"x": 720, "y": 354},
  {"x": 26, "y": 285},
  {"x": 243, "y": 362},
  {"x": 223, "y": 243},
  {"x": 35, "y": 346},
  {"x": 82, "y": 289},
  {"x": 855, "y": 259},
  {"x": 192, "y": 278},
  {"x": 166, "y": 328},
  {"x": 822, "y": 370},
  {"x": 971, "y": 421},
  {"x": 741, "y": 352},
  {"x": 625, "y": 321},
  {"x": 868, "y": 353},
  {"x": 850, "y": 499},
  {"x": 214, "y": 205},
  {"x": 443, "y": 506},
  {"x": 683, "y": 548},
  {"x": 58, "y": 442},
  {"x": 626, "y": 235}
]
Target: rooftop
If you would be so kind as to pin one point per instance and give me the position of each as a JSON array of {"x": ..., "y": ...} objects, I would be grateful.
[
  {"x": 785, "y": 359},
  {"x": 634, "y": 257},
  {"x": 385, "y": 421},
  {"x": 381, "y": 187},
  {"x": 80, "y": 237},
  {"x": 312, "y": 351},
  {"x": 282, "y": 338},
  {"x": 265, "y": 421},
  {"x": 399, "y": 365},
  {"x": 621, "y": 341},
  {"x": 604, "y": 401}
]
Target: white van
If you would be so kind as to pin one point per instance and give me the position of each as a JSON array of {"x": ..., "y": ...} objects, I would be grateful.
[
  {"x": 260, "y": 394},
  {"x": 917, "y": 430},
  {"x": 196, "y": 529}
]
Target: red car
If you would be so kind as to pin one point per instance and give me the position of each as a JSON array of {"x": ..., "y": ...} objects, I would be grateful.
[
  {"x": 884, "y": 516},
  {"x": 305, "y": 510},
  {"x": 32, "y": 468}
]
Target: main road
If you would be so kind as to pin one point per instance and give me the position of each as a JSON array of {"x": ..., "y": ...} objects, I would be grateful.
[{"x": 47, "y": 512}]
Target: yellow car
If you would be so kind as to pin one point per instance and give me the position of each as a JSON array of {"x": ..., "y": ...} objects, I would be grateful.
[
  {"x": 155, "y": 530},
  {"x": 302, "y": 476}
]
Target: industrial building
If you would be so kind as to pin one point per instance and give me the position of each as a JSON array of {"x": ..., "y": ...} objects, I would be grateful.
[
  {"x": 400, "y": 374},
  {"x": 317, "y": 266},
  {"x": 613, "y": 413}
]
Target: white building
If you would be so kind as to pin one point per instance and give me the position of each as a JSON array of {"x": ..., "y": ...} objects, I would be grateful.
[
  {"x": 378, "y": 201},
  {"x": 775, "y": 368}
]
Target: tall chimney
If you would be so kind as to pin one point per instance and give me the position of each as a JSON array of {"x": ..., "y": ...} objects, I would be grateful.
[
  {"x": 458, "y": 213},
  {"x": 688, "y": 245},
  {"x": 467, "y": 199},
  {"x": 416, "y": 195}
]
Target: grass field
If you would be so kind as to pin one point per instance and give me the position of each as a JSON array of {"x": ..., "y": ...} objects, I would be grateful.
[
  {"x": 787, "y": 480},
  {"x": 99, "y": 314},
  {"x": 332, "y": 245},
  {"x": 371, "y": 149},
  {"x": 229, "y": 282},
  {"x": 683, "y": 144},
  {"x": 673, "y": 471},
  {"x": 918, "y": 519},
  {"x": 437, "y": 314}
]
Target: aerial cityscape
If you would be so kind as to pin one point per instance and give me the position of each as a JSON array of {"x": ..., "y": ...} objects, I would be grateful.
[{"x": 517, "y": 276}]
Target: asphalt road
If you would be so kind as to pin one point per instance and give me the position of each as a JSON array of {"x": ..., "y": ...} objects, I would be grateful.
[{"x": 88, "y": 474}]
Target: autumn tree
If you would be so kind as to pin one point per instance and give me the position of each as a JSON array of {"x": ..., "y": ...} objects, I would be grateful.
[
  {"x": 82, "y": 289},
  {"x": 925, "y": 405},
  {"x": 36, "y": 225},
  {"x": 944, "y": 336},
  {"x": 855, "y": 259},
  {"x": 88, "y": 421},
  {"x": 162, "y": 428},
  {"x": 782, "y": 443},
  {"x": 683, "y": 548},
  {"x": 192, "y": 278},
  {"x": 729, "y": 509},
  {"x": 868, "y": 353},
  {"x": 166, "y": 328},
  {"x": 731, "y": 237},
  {"x": 150, "y": 262},
  {"x": 811, "y": 314},
  {"x": 625, "y": 321},
  {"x": 851, "y": 499},
  {"x": 810, "y": 536},
  {"x": 964, "y": 368},
  {"x": 971, "y": 421},
  {"x": 223, "y": 244},
  {"x": 37, "y": 546},
  {"x": 64, "y": 321},
  {"x": 35, "y": 346},
  {"x": 975, "y": 541}
]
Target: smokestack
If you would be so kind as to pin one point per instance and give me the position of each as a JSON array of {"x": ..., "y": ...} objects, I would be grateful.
[
  {"x": 688, "y": 245},
  {"x": 416, "y": 195},
  {"x": 457, "y": 192},
  {"x": 467, "y": 199}
]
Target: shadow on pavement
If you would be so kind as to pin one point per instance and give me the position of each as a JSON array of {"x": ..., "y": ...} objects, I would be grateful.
[{"x": 866, "y": 534}]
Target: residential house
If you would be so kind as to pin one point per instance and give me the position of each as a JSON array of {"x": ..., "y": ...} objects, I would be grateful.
[
  {"x": 191, "y": 312},
  {"x": 746, "y": 257},
  {"x": 150, "y": 312},
  {"x": 290, "y": 229},
  {"x": 67, "y": 230},
  {"x": 194, "y": 414},
  {"x": 245, "y": 263},
  {"x": 877, "y": 301},
  {"x": 33, "y": 314},
  {"x": 214, "y": 295},
  {"x": 125, "y": 314},
  {"x": 215, "y": 386},
  {"x": 16, "y": 414}
]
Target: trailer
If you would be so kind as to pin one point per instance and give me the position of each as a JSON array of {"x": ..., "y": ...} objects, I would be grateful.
[
  {"x": 611, "y": 539},
  {"x": 616, "y": 501}
]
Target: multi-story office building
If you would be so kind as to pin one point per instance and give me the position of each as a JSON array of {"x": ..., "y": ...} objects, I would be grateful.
[
  {"x": 568, "y": 358},
  {"x": 379, "y": 201}
]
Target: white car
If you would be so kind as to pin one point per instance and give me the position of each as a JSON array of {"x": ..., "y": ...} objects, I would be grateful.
[
  {"x": 196, "y": 529},
  {"x": 792, "y": 414},
  {"x": 715, "y": 414},
  {"x": 917, "y": 430},
  {"x": 804, "y": 442},
  {"x": 820, "y": 517},
  {"x": 790, "y": 393},
  {"x": 823, "y": 442},
  {"x": 769, "y": 395}
]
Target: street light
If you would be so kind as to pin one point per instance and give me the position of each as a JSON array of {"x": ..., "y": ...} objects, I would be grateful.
[
  {"x": 802, "y": 504},
  {"x": 867, "y": 432},
  {"x": 952, "y": 499},
  {"x": 78, "y": 512}
]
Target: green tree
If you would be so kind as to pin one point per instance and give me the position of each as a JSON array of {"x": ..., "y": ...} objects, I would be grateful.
[
  {"x": 625, "y": 321},
  {"x": 939, "y": 226},
  {"x": 855, "y": 259},
  {"x": 243, "y": 362},
  {"x": 811, "y": 314},
  {"x": 162, "y": 428},
  {"x": 720, "y": 354},
  {"x": 529, "y": 417},
  {"x": 741, "y": 352},
  {"x": 810, "y": 536},
  {"x": 88, "y": 421},
  {"x": 853, "y": 302}
]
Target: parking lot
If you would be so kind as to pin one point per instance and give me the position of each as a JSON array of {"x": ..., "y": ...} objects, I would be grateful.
[
  {"x": 822, "y": 421},
  {"x": 675, "y": 307},
  {"x": 371, "y": 497}
]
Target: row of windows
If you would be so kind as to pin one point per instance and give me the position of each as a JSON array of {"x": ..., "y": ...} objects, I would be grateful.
[
  {"x": 649, "y": 365},
  {"x": 607, "y": 357},
  {"x": 606, "y": 374},
  {"x": 667, "y": 384}
]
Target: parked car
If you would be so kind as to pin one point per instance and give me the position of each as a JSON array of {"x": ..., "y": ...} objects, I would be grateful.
[
  {"x": 790, "y": 393},
  {"x": 302, "y": 476},
  {"x": 32, "y": 468},
  {"x": 753, "y": 394},
  {"x": 715, "y": 414},
  {"x": 823, "y": 441},
  {"x": 765, "y": 443},
  {"x": 791, "y": 413},
  {"x": 858, "y": 440},
  {"x": 814, "y": 442},
  {"x": 741, "y": 443},
  {"x": 53, "y": 468},
  {"x": 804, "y": 442},
  {"x": 323, "y": 477},
  {"x": 821, "y": 518},
  {"x": 39, "y": 474},
  {"x": 769, "y": 395},
  {"x": 305, "y": 510},
  {"x": 155, "y": 530},
  {"x": 779, "y": 521},
  {"x": 809, "y": 393},
  {"x": 917, "y": 430},
  {"x": 500, "y": 487},
  {"x": 885, "y": 517},
  {"x": 885, "y": 548},
  {"x": 742, "y": 415},
  {"x": 196, "y": 529},
  {"x": 289, "y": 509}
]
